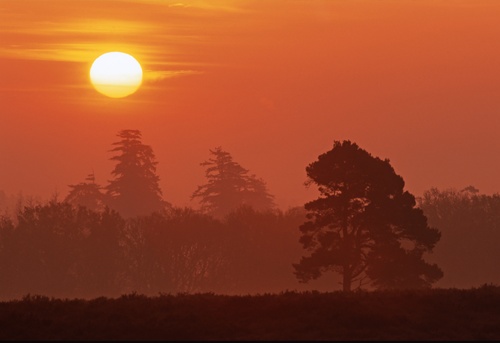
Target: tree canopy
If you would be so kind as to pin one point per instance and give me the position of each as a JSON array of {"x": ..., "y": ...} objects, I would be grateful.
[
  {"x": 61, "y": 250},
  {"x": 364, "y": 225},
  {"x": 135, "y": 188},
  {"x": 230, "y": 186}
]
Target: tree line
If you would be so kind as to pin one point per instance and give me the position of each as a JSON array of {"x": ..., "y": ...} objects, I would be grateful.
[
  {"x": 469, "y": 223},
  {"x": 364, "y": 227},
  {"x": 60, "y": 250}
]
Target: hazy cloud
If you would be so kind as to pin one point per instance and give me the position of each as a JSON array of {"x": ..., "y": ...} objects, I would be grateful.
[{"x": 159, "y": 75}]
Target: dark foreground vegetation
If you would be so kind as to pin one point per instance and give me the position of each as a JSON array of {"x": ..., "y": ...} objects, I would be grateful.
[{"x": 433, "y": 314}]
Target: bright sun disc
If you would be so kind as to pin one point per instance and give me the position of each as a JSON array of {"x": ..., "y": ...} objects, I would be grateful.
[{"x": 116, "y": 74}]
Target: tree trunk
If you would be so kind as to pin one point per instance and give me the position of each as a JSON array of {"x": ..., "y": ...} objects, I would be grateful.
[{"x": 346, "y": 279}]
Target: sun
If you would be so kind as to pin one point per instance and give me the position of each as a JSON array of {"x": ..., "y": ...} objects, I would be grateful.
[{"x": 116, "y": 74}]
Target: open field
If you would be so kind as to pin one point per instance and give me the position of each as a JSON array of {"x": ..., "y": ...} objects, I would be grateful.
[{"x": 439, "y": 314}]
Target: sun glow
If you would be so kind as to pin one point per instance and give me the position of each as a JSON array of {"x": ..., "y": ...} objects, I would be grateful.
[{"x": 116, "y": 74}]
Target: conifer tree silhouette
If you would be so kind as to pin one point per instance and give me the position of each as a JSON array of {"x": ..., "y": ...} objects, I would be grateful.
[
  {"x": 229, "y": 186},
  {"x": 87, "y": 194},
  {"x": 135, "y": 188}
]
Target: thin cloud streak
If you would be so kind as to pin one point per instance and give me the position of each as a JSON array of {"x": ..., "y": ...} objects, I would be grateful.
[
  {"x": 147, "y": 26},
  {"x": 160, "y": 75}
]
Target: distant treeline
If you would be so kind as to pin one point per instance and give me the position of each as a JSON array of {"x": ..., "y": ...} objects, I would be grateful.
[
  {"x": 469, "y": 222},
  {"x": 60, "y": 250},
  {"x": 436, "y": 314}
]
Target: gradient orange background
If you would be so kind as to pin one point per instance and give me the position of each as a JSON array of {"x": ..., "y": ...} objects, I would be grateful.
[{"x": 273, "y": 82}]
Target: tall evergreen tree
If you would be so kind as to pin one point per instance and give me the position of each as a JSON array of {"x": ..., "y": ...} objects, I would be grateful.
[
  {"x": 87, "y": 194},
  {"x": 229, "y": 186},
  {"x": 135, "y": 188}
]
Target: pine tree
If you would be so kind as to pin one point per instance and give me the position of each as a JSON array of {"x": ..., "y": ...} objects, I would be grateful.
[
  {"x": 87, "y": 194},
  {"x": 365, "y": 226},
  {"x": 229, "y": 186},
  {"x": 135, "y": 188}
]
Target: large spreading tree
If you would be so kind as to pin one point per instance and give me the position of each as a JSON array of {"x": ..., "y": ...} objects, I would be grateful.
[
  {"x": 364, "y": 225},
  {"x": 135, "y": 188},
  {"x": 230, "y": 186}
]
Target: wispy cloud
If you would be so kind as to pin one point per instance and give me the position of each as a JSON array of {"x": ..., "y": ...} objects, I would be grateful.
[
  {"x": 62, "y": 33},
  {"x": 159, "y": 75},
  {"x": 215, "y": 5},
  {"x": 67, "y": 52}
]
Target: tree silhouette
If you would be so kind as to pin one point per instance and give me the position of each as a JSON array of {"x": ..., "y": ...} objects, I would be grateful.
[
  {"x": 135, "y": 189},
  {"x": 61, "y": 250},
  {"x": 229, "y": 186},
  {"x": 470, "y": 225},
  {"x": 87, "y": 194},
  {"x": 364, "y": 225}
]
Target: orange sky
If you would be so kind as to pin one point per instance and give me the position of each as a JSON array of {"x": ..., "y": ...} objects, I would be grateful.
[{"x": 273, "y": 82}]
